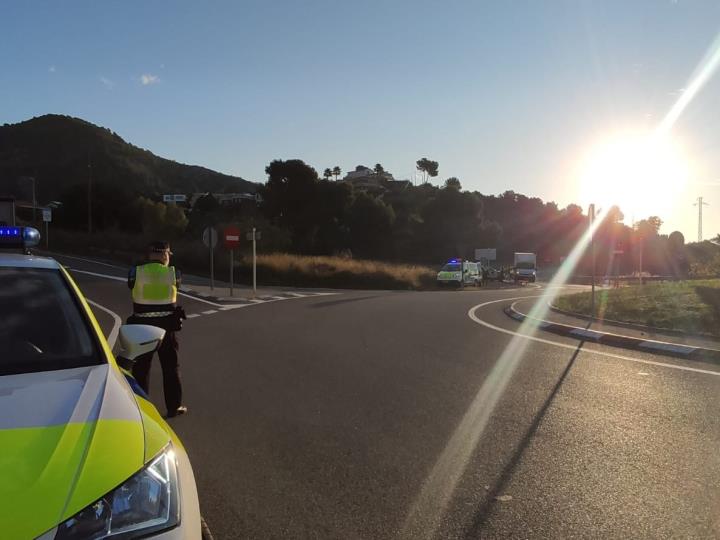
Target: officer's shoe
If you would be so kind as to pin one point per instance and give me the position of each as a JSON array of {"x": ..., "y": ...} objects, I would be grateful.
[{"x": 182, "y": 409}]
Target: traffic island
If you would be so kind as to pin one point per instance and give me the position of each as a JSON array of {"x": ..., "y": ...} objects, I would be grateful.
[{"x": 615, "y": 339}]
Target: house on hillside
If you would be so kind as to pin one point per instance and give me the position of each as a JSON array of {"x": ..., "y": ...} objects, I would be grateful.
[
  {"x": 366, "y": 179},
  {"x": 228, "y": 199}
]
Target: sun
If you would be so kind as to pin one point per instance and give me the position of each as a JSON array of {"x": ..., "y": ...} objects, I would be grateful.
[{"x": 643, "y": 174}]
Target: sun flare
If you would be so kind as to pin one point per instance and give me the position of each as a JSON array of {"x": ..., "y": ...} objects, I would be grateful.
[{"x": 643, "y": 174}]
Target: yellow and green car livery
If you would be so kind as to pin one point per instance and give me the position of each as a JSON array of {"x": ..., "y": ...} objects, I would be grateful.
[{"x": 82, "y": 455}]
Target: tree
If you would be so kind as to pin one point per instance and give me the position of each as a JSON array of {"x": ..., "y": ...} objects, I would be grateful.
[
  {"x": 676, "y": 241},
  {"x": 453, "y": 183},
  {"x": 290, "y": 185},
  {"x": 379, "y": 169},
  {"x": 614, "y": 215},
  {"x": 160, "y": 220},
  {"x": 336, "y": 171},
  {"x": 648, "y": 227},
  {"x": 453, "y": 225},
  {"x": 428, "y": 168},
  {"x": 370, "y": 221},
  {"x": 327, "y": 173}
]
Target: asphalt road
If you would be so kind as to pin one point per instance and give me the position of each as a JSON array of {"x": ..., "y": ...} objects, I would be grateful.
[{"x": 420, "y": 415}]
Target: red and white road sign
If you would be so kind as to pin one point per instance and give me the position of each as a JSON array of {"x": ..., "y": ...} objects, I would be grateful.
[{"x": 231, "y": 237}]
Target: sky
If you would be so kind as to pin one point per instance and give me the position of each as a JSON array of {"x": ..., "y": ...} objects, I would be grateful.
[{"x": 505, "y": 95}]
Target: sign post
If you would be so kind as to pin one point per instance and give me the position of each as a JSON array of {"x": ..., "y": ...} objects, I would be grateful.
[
  {"x": 254, "y": 236},
  {"x": 47, "y": 218},
  {"x": 210, "y": 238},
  {"x": 231, "y": 239},
  {"x": 591, "y": 216}
]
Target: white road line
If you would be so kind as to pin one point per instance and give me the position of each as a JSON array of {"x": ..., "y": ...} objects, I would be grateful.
[
  {"x": 193, "y": 315},
  {"x": 475, "y": 318},
  {"x": 117, "y": 322},
  {"x": 116, "y": 278},
  {"x": 209, "y": 312},
  {"x": 86, "y": 260},
  {"x": 223, "y": 307},
  {"x": 106, "y": 276}
]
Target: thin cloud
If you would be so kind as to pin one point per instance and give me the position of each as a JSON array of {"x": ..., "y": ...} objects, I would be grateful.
[
  {"x": 147, "y": 79},
  {"x": 107, "y": 83},
  {"x": 52, "y": 69}
]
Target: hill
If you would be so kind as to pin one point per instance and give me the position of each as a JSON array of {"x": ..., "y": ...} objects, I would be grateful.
[{"x": 55, "y": 150}]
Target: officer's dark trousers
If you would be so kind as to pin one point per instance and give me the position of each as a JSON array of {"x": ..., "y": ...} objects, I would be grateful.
[{"x": 168, "y": 353}]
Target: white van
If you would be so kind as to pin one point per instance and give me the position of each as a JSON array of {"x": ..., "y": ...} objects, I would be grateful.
[{"x": 457, "y": 272}]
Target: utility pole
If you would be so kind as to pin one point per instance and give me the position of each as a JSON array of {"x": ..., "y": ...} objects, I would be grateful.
[
  {"x": 640, "y": 274},
  {"x": 89, "y": 195},
  {"x": 34, "y": 201},
  {"x": 700, "y": 205},
  {"x": 254, "y": 241},
  {"x": 591, "y": 216}
]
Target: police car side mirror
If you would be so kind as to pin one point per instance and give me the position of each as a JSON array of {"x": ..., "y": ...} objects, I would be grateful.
[{"x": 136, "y": 340}]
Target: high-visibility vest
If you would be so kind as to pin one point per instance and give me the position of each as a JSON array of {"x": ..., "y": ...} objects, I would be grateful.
[{"x": 155, "y": 285}]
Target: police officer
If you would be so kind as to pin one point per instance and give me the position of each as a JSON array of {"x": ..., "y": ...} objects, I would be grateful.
[{"x": 154, "y": 286}]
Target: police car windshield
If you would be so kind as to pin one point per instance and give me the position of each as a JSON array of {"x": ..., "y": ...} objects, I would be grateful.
[
  {"x": 42, "y": 326},
  {"x": 451, "y": 267}
]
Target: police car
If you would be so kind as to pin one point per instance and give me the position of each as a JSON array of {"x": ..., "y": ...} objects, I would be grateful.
[
  {"x": 83, "y": 455},
  {"x": 457, "y": 272}
]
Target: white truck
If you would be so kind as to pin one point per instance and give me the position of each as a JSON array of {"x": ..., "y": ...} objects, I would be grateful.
[{"x": 525, "y": 267}]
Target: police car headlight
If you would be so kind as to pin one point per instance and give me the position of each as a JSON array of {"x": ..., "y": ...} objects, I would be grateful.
[{"x": 146, "y": 503}]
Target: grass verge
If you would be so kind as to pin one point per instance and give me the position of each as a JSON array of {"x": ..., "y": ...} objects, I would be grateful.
[
  {"x": 192, "y": 257},
  {"x": 335, "y": 272},
  {"x": 687, "y": 306}
]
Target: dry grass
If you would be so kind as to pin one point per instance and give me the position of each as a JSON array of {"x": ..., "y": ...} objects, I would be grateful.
[
  {"x": 307, "y": 271},
  {"x": 273, "y": 269}
]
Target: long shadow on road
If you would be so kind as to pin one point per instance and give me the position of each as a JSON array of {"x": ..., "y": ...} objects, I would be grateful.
[
  {"x": 342, "y": 301},
  {"x": 498, "y": 488}
]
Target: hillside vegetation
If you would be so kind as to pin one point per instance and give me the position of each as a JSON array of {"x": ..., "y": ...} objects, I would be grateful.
[{"x": 56, "y": 151}]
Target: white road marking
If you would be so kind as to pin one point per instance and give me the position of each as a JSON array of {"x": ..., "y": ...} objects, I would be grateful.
[
  {"x": 475, "y": 318},
  {"x": 88, "y": 260},
  {"x": 117, "y": 322},
  {"x": 193, "y": 315},
  {"x": 106, "y": 276},
  {"x": 221, "y": 307}
]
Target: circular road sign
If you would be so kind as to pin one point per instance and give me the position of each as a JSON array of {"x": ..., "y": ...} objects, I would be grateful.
[
  {"x": 210, "y": 237},
  {"x": 231, "y": 237}
]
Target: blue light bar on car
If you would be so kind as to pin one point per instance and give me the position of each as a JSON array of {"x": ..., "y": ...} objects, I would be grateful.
[
  {"x": 18, "y": 237},
  {"x": 10, "y": 232}
]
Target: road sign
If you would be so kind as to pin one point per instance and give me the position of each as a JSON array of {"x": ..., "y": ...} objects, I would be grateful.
[
  {"x": 249, "y": 236},
  {"x": 210, "y": 237},
  {"x": 175, "y": 197},
  {"x": 47, "y": 215},
  {"x": 487, "y": 254},
  {"x": 231, "y": 237}
]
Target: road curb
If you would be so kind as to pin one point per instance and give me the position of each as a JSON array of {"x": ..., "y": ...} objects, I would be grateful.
[
  {"x": 632, "y": 326},
  {"x": 677, "y": 350}
]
